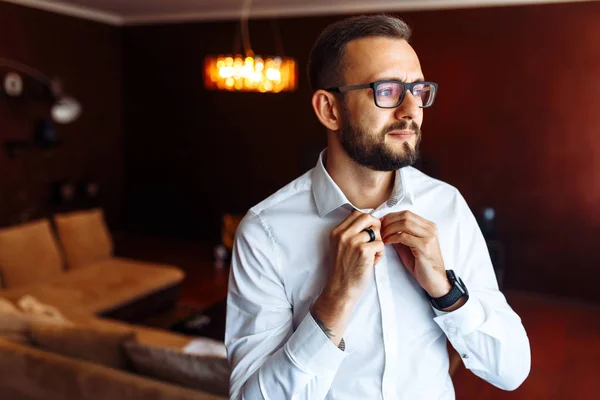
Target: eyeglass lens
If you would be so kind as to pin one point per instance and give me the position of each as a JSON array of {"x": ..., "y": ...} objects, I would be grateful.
[{"x": 388, "y": 94}]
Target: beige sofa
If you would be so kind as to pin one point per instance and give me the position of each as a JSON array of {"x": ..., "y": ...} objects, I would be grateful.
[
  {"x": 27, "y": 373},
  {"x": 76, "y": 266},
  {"x": 59, "y": 350}
]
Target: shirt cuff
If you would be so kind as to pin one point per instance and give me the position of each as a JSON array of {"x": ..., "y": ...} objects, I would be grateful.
[
  {"x": 463, "y": 320},
  {"x": 311, "y": 350}
]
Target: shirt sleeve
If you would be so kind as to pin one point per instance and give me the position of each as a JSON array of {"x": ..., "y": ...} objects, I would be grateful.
[
  {"x": 269, "y": 357},
  {"x": 485, "y": 331}
]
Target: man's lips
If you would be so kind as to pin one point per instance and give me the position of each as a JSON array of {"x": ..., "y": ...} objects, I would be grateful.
[{"x": 403, "y": 134}]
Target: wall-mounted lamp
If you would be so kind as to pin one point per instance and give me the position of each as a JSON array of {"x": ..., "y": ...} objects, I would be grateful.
[{"x": 65, "y": 109}]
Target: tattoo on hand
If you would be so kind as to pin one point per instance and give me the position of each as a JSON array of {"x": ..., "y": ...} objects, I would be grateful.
[{"x": 325, "y": 329}]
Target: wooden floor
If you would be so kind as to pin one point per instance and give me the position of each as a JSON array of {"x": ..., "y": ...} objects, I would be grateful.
[{"x": 564, "y": 335}]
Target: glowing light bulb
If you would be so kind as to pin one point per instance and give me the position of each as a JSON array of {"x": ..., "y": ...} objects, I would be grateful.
[
  {"x": 241, "y": 73},
  {"x": 273, "y": 74}
]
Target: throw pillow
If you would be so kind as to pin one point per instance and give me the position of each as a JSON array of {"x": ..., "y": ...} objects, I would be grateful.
[
  {"x": 208, "y": 373},
  {"x": 206, "y": 347},
  {"x": 15, "y": 324},
  {"x": 99, "y": 345},
  {"x": 32, "y": 306},
  {"x": 84, "y": 237},
  {"x": 29, "y": 253}
]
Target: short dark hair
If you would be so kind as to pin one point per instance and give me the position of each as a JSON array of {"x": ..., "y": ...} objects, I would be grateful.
[{"x": 326, "y": 66}]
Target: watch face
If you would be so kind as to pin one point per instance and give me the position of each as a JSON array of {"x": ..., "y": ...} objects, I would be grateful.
[{"x": 451, "y": 276}]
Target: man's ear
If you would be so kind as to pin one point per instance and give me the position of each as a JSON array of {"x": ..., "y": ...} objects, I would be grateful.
[{"x": 326, "y": 106}]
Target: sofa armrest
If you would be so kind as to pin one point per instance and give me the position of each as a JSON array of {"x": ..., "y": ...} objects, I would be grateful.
[{"x": 40, "y": 375}]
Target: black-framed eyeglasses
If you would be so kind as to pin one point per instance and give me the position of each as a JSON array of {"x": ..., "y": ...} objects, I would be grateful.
[{"x": 390, "y": 93}]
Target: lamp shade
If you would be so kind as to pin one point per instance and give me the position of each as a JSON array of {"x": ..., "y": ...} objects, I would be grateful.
[{"x": 65, "y": 110}]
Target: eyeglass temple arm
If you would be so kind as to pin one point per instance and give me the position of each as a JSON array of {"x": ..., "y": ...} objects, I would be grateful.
[{"x": 343, "y": 89}]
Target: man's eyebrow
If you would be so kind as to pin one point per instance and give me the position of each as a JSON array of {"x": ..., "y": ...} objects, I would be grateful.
[{"x": 375, "y": 78}]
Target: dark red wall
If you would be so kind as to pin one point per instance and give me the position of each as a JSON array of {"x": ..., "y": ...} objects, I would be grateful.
[
  {"x": 86, "y": 56},
  {"x": 515, "y": 127}
]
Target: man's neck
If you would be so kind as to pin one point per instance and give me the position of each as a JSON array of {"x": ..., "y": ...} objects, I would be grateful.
[{"x": 363, "y": 187}]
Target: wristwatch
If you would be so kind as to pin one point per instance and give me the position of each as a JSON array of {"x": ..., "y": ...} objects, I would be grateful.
[{"x": 458, "y": 291}]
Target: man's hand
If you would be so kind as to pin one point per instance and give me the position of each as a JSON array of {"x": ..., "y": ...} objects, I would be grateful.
[
  {"x": 416, "y": 242},
  {"x": 353, "y": 259}
]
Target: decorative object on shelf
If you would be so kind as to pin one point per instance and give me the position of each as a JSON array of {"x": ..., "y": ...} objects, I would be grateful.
[
  {"x": 65, "y": 109},
  {"x": 68, "y": 195},
  {"x": 62, "y": 193},
  {"x": 45, "y": 134},
  {"x": 44, "y": 138},
  {"x": 89, "y": 190},
  {"x": 250, "y": 72}
]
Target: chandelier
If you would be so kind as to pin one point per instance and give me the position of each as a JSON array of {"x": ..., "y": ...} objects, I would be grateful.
[{"x": 250, "y": 72}]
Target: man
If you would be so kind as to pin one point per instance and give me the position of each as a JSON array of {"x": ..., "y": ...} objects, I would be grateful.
[{"x": 346, "y": 283}]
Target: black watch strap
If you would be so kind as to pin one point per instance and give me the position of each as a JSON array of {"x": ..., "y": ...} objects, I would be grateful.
[{"x": 458, "y": 291}]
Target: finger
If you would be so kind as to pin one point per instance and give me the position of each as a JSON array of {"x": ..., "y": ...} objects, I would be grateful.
[
  {"x": 363, "y": 237},
  {"x": 355, "y": 234},
  {"x": 347, "y": 222},
  {"x": 405, "y": 225},
  {"x": 363, "y": 222},
  {"x": 408, "y": 215},
  {"x": 406, "y": 239},
  {"x": 372, "y": 251}
]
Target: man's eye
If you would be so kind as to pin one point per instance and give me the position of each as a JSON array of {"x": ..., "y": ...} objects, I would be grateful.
[
  {"x": 420, "y": 90},
  {"x": 385, "y": 92}
]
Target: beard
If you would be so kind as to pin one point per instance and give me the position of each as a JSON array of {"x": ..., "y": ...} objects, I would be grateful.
[{"x": 369, "y": 150}]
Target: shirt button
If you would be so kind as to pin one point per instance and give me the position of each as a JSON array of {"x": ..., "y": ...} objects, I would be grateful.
[{"x": 465, "y": 355}]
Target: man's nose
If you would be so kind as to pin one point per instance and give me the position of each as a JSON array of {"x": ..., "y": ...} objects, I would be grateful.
[{"x": 409, "y": 108}]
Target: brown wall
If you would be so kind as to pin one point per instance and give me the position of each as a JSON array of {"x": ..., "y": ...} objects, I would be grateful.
[
  {"x": 87, "y": 58},
  {"x": 515, "y": 128}
]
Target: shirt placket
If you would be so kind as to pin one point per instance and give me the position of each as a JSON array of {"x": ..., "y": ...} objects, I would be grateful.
[{"x": 389, "y": 328}]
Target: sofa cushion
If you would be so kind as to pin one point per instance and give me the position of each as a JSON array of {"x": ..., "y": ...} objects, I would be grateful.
[
  {"x": 102, "y": 286},
  {"x": 200, "y": 371},
  {"x": 147, "y": 335},
  {"x": 100, "y": 345},
  {"x": 84, "y": 237},
  {"x": 8, "y": 307},
  {"x": 29, "y": 253},
  {"x": 15, "y": 323}
]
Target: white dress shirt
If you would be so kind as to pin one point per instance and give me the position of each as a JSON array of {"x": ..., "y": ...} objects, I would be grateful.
[{"x": 395, "y": 340}]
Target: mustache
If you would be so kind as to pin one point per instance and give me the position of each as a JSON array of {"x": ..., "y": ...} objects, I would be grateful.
[{"x": 403, "y": 125}]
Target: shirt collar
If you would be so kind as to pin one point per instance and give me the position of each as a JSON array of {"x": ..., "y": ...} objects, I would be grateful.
[{"x": 328, "y": 196}]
